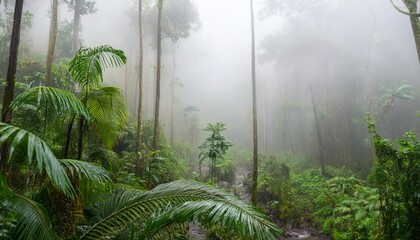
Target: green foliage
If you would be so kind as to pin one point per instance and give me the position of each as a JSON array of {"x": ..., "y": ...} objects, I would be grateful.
[
  {"x": 396, "y": 174},
  {"x": 214, "y": 146},
  {"x": 274, "y": 186},
  {"x": 386, "y": 102},
  {"x": 38, "y": 154},
  {"x": 87, "y": 66},
  {"x": 47, "y": 99},
  {"x": 33, "y": 219},
  {"x": 185, "y": 201},
  {"x": 107, "y": 107},
  {"x": 87, "y": 6}
]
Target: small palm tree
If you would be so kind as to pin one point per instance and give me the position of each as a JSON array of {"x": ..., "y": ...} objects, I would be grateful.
[
  {"x": 214, "y": 146},
  {"x": 386, "y": 102},
  {"x": 87, "y": 70}
]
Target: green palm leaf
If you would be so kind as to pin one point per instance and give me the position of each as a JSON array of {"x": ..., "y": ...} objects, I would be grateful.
[
  {"x": 109, "y": 113},
  {"x": 87, "y": 170},
  {"x": 38, "y": 153},
  {"x": 186, "y": 201},
  {"x": 118, "y": 199},
  {"x": 53, "y": 99},
  {"x": 33, "y": 221},
  {"x": 87, "y": 66}
]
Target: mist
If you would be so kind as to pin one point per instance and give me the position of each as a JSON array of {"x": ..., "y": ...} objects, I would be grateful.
[{"x": 347, "y": 51}]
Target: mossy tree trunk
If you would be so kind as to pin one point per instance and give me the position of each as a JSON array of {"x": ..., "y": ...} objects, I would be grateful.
[
  {"x": 6, "y": 116},
  {"x": 254, "y": 196},
  {"x": 51, "y": 42},
  {"x": 158, "y": 67}
]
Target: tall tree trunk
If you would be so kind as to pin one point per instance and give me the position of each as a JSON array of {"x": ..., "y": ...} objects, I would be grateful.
[
  {"x": 254, "y": 196},
  {"x": 140, "y": 104},
  {"x": 415, "y": 23},
  {"x": 6, "y": 116},
  {"x": 158, "y": 66},
  {"x": 411, "y": 5},
  {"x": 51, "y": 41},
  {"x": 76, "y": 26},
  {"x": 173, "y": 94},
  {"x": 321, "y": 153}
]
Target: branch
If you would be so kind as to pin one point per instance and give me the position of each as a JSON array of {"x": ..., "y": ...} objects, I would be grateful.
[{"x": 404, "y": 12}]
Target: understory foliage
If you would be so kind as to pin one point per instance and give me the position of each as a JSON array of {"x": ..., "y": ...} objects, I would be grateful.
[
  {"x": 341, "y": 206},
  {"x": 396, "y": 174}
]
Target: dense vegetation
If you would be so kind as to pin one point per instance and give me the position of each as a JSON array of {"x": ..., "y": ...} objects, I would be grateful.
[{"x": 78, "y": 160}]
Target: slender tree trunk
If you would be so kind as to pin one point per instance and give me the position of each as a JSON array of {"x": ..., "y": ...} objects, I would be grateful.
[
  {"x": 321, "y": 153},
  {"x": 80, "y": 139},
  {"x": 415, "y": 23},
  {"x": 51, "y": 41},
  {"x": 68, "y": 138},
  {"x": 173, "y": 94},
  {"x": 140, "y": 104},
  {"x": 254, "y": 196},
  {"x": 158, "y": 66},
  {"x": 9, "y": 89},
  {"x": 76, "y": 26}
]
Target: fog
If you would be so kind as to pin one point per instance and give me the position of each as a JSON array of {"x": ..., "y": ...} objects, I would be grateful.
[{"x": 349, "y": 51}]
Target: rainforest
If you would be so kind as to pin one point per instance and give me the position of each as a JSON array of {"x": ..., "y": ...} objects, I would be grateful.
[{"x": 210, "y": 119}]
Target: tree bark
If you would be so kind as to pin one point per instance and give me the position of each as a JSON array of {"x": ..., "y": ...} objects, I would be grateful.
[
  {"x": 415, "y": 24},
  {"x": 76, "y": 25},
  {"x": 321, "y": 153},
  {"x": 11, "y": 70},
  {"x": 254, "y": 196},
  {"x": 158, "y": 66},
  {"x": 51, "y": 41},
  {"x": 140, "y": 103},
  {"x": 411, "y": 5},
  {"x": 173, "y": 95},
  {"x": 6, "y": 116}
]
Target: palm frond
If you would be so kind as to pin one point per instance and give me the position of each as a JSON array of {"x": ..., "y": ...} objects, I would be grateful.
[
  {"x": 109, "y": 113},
  {"x": 57, "y": 100},
  {"x": 183, "y": 199},
  {"x": 87, "y": 66},
  {"x": 402, "y": 89},
  {"x": 83, "y": 169},
  {"x": 33, "y": 221},
  {"x": 38, "y": 153},
  {"x": 118, "y": 199}
]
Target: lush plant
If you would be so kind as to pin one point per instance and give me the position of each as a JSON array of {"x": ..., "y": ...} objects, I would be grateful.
[
  {"x": 214, "y": 146},
  {"x": 396, "y": 174},
  {"x": 175, "y": 203}
]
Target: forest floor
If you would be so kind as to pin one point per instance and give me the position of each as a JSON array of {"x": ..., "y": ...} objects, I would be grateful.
[{"x": 307, "y": 232}]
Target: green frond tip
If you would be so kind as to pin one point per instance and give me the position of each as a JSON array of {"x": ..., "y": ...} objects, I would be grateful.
[
  {"x": 87, "y": 170},
  {"x": 51, "y": 99},
  {"x": 32, "y": 222},
  {"x": 185, "y": 201},
  {"x": 37, "y": 153},
  {"x": 88, "y": 65},
  {"x": 109, "y": 114}
]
